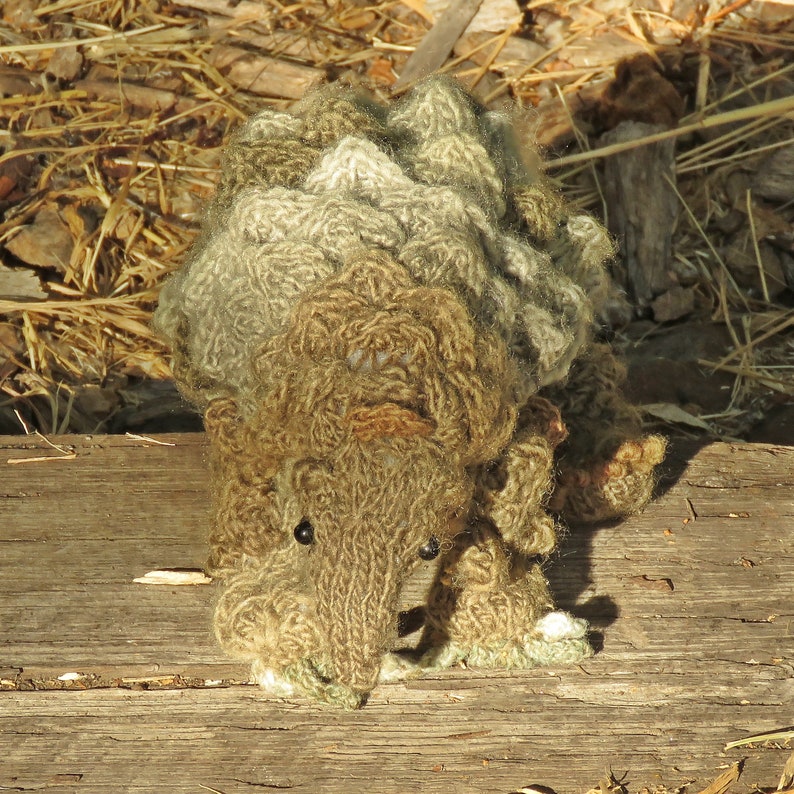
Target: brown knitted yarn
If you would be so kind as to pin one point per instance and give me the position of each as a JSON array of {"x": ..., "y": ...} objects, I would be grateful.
[
  {"x": 387, "y": 320},
  {"x": 606, "y": 466}
]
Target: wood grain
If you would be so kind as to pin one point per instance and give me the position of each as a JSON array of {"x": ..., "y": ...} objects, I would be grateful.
[
  {"x": 639, "y": 186},
  {"x": 690, "y": 602}
]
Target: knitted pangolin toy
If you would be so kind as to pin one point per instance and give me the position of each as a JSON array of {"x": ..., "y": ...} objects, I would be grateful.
[{"x": 387, "y": 322}]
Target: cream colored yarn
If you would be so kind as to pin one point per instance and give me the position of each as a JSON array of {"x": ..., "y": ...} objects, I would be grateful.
[{"x": 387, "y": 320}]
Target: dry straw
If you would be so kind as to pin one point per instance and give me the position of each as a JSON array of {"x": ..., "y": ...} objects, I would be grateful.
[{"x": 111, "y": 114}]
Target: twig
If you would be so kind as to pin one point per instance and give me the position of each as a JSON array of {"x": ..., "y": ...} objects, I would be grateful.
[
  {"x": 438, "y": 42},
  {"x": 57, "y": 45},
  {"x": 65, "y": 454},
  {"x": 772, "y": 108}
]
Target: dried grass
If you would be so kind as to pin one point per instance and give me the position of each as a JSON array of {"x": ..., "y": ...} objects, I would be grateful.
[{"x": 113, "y": 113}]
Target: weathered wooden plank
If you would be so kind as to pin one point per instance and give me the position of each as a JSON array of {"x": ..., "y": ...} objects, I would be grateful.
[{"x": 690, "y": 602}]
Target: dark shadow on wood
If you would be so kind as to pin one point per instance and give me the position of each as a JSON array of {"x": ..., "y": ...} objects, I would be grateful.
[{"x": 569, "y": 571}]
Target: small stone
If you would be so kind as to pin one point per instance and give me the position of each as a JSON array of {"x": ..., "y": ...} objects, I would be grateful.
[{"x": 673, "y": 304}]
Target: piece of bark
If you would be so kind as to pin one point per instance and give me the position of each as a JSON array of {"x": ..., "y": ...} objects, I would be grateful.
[
  {"x": 139, "y": 96},
  {"x": 642, "y": 207},
  {"x": 601, "y": 49},
  {"x": 65, "y": 63},
  {"x": 774, "y": 178},
  {"x": 47, "y": 242},
  {"x": 437, "y": 44},
  {"x": 674, "y": 304},
  {"x": 263, "y": 75},
  {"x": 277, "y": 42},
  {"x": 15, "y": 81},
  {"x": 493, "y": 16},
  {"x": 245, "y": 9},
  {"x": 20, "y": 284}
]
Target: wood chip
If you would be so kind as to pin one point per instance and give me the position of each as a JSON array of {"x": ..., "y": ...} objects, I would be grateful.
[
  {"x": 721, "y": 784},
  {"x": 438, "y": 42},
  {"x": 511, "y": 60},
  {"x": 493, "y": 16},
  {"x": 673, "y": 304},
  {"x": 174, "y": 577},
  {"x": 15, "y": 81},
  {"x": 20, "y": 284},
  {"x": 774, "y": 178},
  {"x": 263, "y": 75},
  {"x": 245, "y": 9},
  {"x": 152, "y": 99}
]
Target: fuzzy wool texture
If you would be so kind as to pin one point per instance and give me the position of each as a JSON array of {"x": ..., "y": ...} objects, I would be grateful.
[{"x": 387, "y": 320}]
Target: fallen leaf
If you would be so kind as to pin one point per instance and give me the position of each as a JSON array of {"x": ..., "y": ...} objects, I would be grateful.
[
  {"x": 670, "y": 412},
  {"x": 47, "y": 242}
]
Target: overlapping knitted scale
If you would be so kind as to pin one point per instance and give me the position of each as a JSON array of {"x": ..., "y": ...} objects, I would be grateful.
[
  {"x": 268, "y": 124},
  {"x": 328, "y": 116},
  {"x": 357, "y": 166},
  {"x": 433, "y": 108},
  {"x": 334, "y": 222},
  {"x": 461, "y": 161},
  {"x": 431, "y": 198}
]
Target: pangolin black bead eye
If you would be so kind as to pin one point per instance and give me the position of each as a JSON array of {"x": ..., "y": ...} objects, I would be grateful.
[
  {"x": 304, "y": 533},
  {"x": 431, "y": 549}
]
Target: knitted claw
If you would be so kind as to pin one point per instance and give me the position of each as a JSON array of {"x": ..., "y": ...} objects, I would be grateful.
[
  {"x": 556, "y": 638},
  {"x": 495, "y": 610},
  {"x": 513, "y": 490},
  {"x": 613, "y": 488}
]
